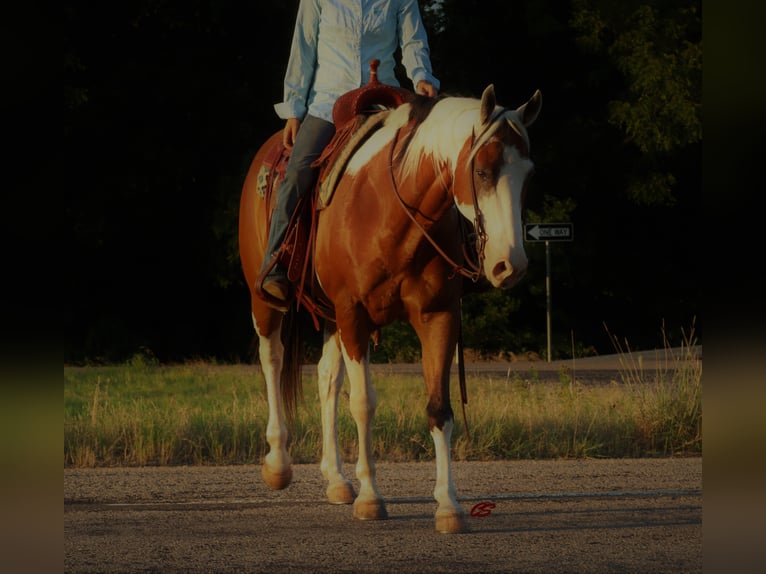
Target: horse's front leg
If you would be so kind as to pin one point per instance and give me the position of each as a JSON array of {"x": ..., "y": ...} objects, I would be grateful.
[
  {"x": 277, "y": 471},
  {"x": 450, "y": 516},
  {"x": 438, "y": 335},
  {"x": 369, "y": 504},
  {"x": 330, "y": 379}
]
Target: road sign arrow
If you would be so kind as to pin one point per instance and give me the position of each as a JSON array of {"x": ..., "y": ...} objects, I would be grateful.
[
  {"x": 534, "y": 233},
  {"x": 548, "y": 231}
]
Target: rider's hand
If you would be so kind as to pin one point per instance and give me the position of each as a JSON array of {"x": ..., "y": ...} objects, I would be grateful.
[
  {"x": 426, "y": 89},
  {"x": 290, "y": 131}
]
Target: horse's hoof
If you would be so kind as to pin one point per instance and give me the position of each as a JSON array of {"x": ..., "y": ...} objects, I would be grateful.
[
  {"x": 277, "y": 480},
  {"x": 370, "y": 510},
  {"x": 451, "y": 523},
  {"x": 341, "y": 493}
]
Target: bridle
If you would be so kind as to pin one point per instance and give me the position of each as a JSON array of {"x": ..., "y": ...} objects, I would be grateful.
[{"x": 470, "y": 269}]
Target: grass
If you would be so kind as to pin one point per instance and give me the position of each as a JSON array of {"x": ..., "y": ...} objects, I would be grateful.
[
  {"x": 143, "y": 413},
  {"x": 668, "y": 400}
]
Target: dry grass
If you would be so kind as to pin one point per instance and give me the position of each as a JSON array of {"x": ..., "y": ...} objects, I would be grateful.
[{"x": 142, "y": 413}]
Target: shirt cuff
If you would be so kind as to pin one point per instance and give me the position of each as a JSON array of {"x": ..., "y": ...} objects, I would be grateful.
[
  {"x": 423, "y": 75},
  {"x": 286, "y": 110}
]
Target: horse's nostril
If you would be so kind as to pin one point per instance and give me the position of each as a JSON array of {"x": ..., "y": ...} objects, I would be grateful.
[
  {"x": 505, "y": 275},
  {"x": 502, "y": 269}
]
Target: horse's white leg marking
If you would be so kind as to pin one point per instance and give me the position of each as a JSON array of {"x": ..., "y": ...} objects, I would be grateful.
[
  {"x": 369, "y": 504},
  {"x": 330, "y": 380},
  {"x": 450, "y": 516},
  {"x": 276, "y": 471}
]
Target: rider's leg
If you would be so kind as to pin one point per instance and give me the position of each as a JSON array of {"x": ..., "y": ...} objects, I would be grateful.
[{"x": 313, "y": 135}]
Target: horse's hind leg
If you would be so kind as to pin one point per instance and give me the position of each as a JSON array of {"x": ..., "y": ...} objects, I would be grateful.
[
  {"x": 277, "y": 471},
  {"x": 330, "y": 379}
]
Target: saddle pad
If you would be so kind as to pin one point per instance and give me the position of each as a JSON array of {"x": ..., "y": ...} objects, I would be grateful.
[{"x": 355, "y": 133}]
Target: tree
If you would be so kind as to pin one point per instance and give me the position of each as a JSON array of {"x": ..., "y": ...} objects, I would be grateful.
[
  {"x": 657, "y": 48},
  {"x": 166, "y": 103}
]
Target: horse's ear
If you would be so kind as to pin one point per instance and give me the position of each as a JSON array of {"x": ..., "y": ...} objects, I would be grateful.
[
  {"x": 529, "y": 111},
  {"x": 488, "y": 103}
]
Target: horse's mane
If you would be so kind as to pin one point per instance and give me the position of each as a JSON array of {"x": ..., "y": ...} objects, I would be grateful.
[
  {"x": 421, "y": 106},
  {"x": 440, "y": 128}
]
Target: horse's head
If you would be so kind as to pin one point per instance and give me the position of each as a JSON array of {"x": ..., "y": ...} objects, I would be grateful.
[{"x": 490, "y": 183}]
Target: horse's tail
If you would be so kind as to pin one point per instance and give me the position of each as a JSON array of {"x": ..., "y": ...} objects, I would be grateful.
[{"x": 291, "y": 383}]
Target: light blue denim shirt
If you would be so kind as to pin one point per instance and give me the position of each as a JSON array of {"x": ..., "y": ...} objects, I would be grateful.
[{"x": 334, "y": 42}]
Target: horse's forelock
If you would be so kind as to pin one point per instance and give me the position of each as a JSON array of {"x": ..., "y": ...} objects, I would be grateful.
[{"x": 512, "y": 120}]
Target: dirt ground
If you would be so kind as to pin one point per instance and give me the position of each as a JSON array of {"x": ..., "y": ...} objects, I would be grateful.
[{"x": 634, "y": 515}]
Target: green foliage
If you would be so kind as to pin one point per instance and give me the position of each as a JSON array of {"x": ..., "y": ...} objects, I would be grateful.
[
  {"x": 488, "y": 324},
  {"x": 555, "y": 210},
  {"x": 657, "y": 48},
  {"x": 398, "y": 344},
  {"x": 653, "y": 188},
  {"x": 144, "y": 359}
]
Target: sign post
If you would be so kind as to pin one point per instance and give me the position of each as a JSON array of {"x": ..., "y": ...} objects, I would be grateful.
[{"x": 536, "y": 232}]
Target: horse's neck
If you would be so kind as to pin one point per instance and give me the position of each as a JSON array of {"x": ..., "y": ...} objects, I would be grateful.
[
  {"x": 427, "y": 188},
  {"x": 426, "y": 200}
]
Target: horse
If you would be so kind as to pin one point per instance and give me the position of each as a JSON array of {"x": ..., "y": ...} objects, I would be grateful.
[{"x": 391, "y": 246}]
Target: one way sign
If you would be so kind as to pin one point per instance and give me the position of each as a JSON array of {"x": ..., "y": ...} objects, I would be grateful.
[{"x": 548, "y": 231}]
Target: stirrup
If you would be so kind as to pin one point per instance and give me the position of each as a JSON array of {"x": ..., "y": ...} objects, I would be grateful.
[{"x": 279, "y": 304}]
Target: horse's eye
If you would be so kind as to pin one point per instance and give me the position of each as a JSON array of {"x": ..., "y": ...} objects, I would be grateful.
[{"x": 482, "y": 174}]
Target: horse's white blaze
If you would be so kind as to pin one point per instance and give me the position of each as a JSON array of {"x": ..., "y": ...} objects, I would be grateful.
[
  {"x": 330, "y": 380},
  {"x": 445, "y": 492},
  {"x": 505, "y": 260},
  {"x": 362, "y": 402},
  {"x": 271, "y": 353}
]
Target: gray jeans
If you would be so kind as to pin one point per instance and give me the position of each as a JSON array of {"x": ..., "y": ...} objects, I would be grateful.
[{"x": 313, "y": 136}]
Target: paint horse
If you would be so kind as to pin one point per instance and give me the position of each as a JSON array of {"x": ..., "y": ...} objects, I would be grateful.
[{"x": 390, "y": 246}]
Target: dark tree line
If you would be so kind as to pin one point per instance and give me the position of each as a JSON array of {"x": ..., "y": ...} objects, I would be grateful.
[{"x": 167, "y": 101}]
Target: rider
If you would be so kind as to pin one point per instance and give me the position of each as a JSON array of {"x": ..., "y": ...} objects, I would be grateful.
[{"x": 333, "y": 43}]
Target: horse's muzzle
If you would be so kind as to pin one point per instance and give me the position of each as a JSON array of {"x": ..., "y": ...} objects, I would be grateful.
[{"x": 504, "y": 275}]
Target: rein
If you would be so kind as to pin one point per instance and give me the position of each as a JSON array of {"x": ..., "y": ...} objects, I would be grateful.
[
  {"x": 470, "y": 270},
  {"x": 473, "y": 272}
]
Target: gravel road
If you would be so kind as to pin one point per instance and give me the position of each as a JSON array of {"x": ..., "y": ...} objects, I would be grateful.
[{"x": 616, "y": 515}]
